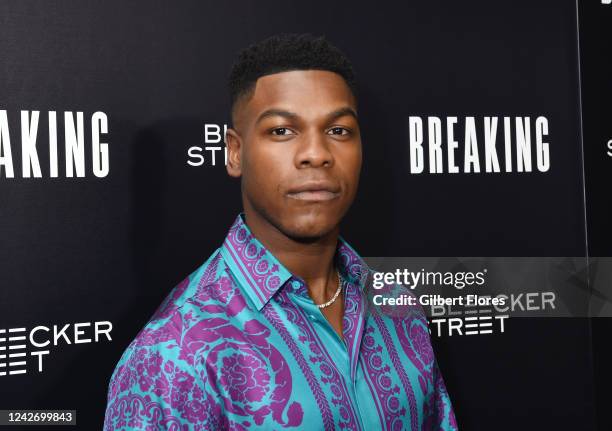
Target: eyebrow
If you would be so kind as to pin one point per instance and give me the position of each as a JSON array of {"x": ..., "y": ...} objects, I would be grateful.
[
  {"x": 276, "y": 113},
  {"x": 342, "y": 112},
  {"x": 292, "y": 115}
]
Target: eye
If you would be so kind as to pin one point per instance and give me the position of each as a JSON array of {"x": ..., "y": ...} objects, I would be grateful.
[
  {"x": 282, "y": 131},
  {"x": 341, "y": 131}
]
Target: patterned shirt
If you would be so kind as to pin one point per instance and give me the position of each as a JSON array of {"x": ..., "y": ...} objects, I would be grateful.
[{"x": 240, "y": 345}]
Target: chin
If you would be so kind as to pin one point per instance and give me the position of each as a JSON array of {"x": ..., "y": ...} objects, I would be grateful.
[{"x": 309, "y": 227}]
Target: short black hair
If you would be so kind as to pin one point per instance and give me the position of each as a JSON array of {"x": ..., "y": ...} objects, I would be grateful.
[{"x": 285, "y": 52}]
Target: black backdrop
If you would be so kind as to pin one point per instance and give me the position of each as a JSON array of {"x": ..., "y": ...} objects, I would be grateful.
[
  {"x": 595, "y": 37},
  {"x": 109, "y": 249}
]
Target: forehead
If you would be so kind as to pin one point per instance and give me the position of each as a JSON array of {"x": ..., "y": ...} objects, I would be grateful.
[{"x": 305, "y": 92}]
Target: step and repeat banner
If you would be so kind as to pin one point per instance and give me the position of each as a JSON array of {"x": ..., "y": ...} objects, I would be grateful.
[{"x": 113, "y": 186}]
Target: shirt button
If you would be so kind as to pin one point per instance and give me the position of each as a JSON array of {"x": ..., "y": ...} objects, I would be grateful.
[{"x": 312, "y": 316}]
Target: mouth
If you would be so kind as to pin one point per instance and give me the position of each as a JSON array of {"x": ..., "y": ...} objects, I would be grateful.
[
  {"x": 314, "y": 195},
  {"x": 315, "y": 192}
]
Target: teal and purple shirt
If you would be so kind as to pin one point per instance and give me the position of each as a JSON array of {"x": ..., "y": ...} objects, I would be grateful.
[{"x": 240, "y": 345}]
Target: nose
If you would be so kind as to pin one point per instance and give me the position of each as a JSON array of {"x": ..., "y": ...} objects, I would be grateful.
[{"x": 313, "y": 152}]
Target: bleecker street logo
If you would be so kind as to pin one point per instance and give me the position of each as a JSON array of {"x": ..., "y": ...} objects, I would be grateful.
[
  {"x": 210, "y": 154},
  {"x": 472, "y": 320},
  {"x": 19, "y": 346},
  {"x": 475, "y": 319}
]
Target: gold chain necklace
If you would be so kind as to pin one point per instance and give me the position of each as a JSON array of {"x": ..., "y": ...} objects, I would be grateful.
[{"x": 331, "y": 301}]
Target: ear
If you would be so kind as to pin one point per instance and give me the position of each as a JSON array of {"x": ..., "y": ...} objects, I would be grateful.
[{"x": 233, "y": 141}]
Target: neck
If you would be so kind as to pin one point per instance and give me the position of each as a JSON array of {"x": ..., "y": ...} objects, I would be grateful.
[{"x": 312, "y": 260}]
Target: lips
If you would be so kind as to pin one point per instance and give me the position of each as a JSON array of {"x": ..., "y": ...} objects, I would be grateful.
[{"x": 315, "y": 191}]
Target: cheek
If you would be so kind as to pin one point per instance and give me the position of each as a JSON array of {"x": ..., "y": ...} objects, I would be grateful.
[
  {"x": 350, "y": 166},
  {"x": 266, "y": 167}
]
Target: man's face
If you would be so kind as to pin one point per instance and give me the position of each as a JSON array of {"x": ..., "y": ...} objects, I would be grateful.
[{"x": 297, "y": 146}]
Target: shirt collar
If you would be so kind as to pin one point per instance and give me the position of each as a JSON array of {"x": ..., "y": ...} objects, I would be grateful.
[{"x": 260, "y": 274}]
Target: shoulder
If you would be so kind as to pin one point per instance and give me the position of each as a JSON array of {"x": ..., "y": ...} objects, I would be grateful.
[
  {"x": 205, "y": 296},
  {"x": 164, "y": 330},
  {"x": 192, "y": 287},
  {"x": 162, "y": 346}
]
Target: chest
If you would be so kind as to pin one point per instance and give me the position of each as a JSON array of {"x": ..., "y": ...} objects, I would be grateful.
[{"x": 288, "y": 367}]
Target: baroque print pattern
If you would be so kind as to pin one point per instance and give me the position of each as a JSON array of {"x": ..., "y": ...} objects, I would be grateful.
[
  {"x": 236, "y": 346},
  {"x": 247, "y": 374}
]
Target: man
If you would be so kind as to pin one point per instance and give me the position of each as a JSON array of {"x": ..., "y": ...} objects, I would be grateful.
[{"x": 274, "y": 331}]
